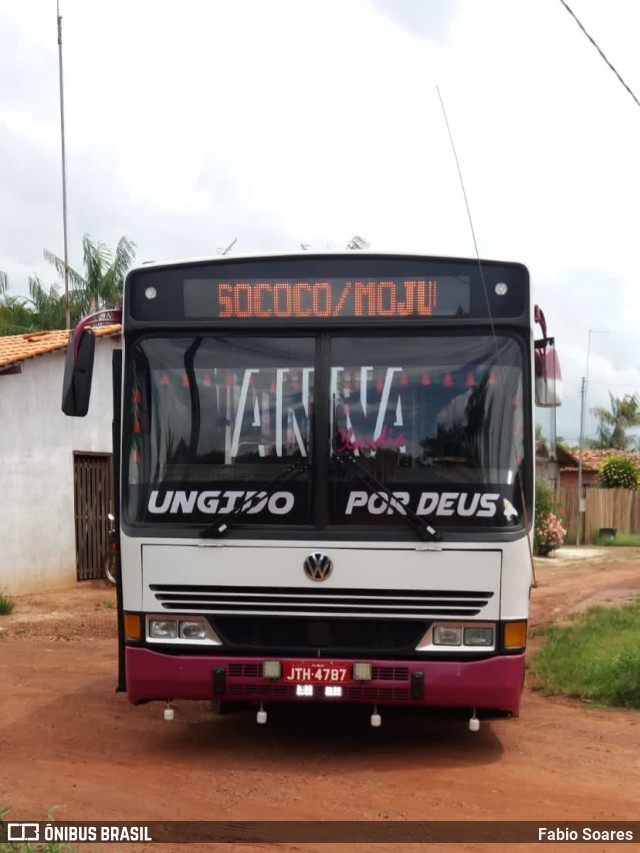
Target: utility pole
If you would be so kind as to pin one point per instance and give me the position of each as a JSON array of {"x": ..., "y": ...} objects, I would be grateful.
[
  {"x": 67, "y": 310},
  {"x": 581, "y": 500}
]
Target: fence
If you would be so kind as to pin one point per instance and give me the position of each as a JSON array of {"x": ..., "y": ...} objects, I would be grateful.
[{"x": 618, "y": 508}]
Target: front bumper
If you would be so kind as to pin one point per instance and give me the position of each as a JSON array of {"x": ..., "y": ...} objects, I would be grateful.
[{"x": 495, "y": 683}]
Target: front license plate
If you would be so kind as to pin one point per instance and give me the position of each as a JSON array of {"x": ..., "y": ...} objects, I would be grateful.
[{"x": 315, "y": 672}]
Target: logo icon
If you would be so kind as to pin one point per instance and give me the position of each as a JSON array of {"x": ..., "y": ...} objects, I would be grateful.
[
  {"x": 318, "y": 566},
  {"x": 509, "y": 510},
  {"x": 23, "y": 832}
]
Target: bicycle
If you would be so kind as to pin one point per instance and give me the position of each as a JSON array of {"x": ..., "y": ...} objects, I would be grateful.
[{"x": 110, "y": 561}]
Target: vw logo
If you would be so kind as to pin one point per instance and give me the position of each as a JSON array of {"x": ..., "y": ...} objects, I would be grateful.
[{"x": 318, "y": 566}]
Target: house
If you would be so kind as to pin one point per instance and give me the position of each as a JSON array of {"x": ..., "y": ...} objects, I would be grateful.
[
  {"x": 546, "y": 464},
  {"x": 569, "y": 463},
  {"x": 55, "y": 473}
]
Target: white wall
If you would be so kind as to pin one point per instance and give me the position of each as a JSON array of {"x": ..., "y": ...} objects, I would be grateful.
[{"x": 37, "y": 533}]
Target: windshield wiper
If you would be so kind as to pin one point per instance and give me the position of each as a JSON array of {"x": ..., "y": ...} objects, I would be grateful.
[
  {"x": 222, "y": 521},
  {"x": 374, "y": 486}
]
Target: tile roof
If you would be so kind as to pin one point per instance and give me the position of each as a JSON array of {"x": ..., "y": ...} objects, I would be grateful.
[
  {"x": 591, "y": 459},
  {"x": 17, "y": 348}
]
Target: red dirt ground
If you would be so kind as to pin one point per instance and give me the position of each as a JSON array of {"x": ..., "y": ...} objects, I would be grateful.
[{"x": 67, "y": 738}]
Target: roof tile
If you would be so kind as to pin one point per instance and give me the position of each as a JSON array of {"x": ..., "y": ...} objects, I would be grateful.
[
  {"x": 17, "y": 348},
  {"x": 591, "y": 459}
]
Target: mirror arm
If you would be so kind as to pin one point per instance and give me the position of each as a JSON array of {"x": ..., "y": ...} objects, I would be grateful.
[{"x": 108, "y": 315}]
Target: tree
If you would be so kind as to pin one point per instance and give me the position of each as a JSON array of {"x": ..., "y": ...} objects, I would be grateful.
[
  {"x": 619, "y": 472},
  {"x": 101, "y": 285},
  {"x": 44, "y": 308},
  {"x": 612, "y": 430}
]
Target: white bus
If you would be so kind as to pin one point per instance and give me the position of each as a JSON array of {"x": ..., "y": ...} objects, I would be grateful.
[{"x": 325, "y": 479}]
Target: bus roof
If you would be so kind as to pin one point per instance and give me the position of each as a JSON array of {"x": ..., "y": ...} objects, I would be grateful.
[{"x": 334, "y": 253}]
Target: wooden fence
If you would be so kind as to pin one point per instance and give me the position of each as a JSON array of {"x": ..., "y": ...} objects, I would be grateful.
[{"x": 617, "y": 508}]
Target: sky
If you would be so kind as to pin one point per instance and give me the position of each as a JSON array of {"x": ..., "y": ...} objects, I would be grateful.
[{"x": 190, "y": 125}]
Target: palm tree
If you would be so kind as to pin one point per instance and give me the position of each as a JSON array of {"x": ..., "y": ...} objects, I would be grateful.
[
  {"x": 101, "y": 285},
  {"x": 44, "y": 308},
  {"x": 47, "y": 305},
  {"x": 612, "y": 430},
  {"x": 16, "y": 315},
  {"x": 41, "y": 310}
]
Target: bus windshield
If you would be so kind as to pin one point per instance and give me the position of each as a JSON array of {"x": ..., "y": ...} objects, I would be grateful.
[{"x": 437, "y": 420}]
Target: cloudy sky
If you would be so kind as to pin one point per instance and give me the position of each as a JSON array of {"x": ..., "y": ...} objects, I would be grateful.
[{"x": 281, "y": 122}]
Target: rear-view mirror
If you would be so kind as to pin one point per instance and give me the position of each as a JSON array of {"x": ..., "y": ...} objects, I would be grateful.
[
  {"x": 78, "y": 373},
  {"x": 548, "y": 378}
]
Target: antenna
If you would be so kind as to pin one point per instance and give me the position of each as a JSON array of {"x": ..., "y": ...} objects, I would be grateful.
[
  {"x": 464, "y": 192},
  {"x": 357, "y": 242},
  {"x": 486, "y": 296},
  {"x": 228, "y": 249},
  {"x": 466, "y": 202}
]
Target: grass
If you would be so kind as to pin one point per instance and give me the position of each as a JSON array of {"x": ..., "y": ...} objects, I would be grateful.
[
  {"x": 620, "y": 540},
  {"x": 6, "y": 605},
  {"x": 27, "y": 847},
  {"x": 106, "y": 604},
  {"x": 595, "y": 657}
]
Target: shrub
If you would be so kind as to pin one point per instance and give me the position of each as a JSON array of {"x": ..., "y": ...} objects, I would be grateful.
[
  {"x": 6, "y": 605},
  {"x": 548, "y": 531},
  {"x": 619, "y": 472}
]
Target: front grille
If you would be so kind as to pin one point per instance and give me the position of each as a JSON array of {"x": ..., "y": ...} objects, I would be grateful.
[
  {"x": 378, "y": 673},
  {"x": 354, "y": 603},
  {"x": 397, "y": 690},
  {"x": 295, "y": 635}
]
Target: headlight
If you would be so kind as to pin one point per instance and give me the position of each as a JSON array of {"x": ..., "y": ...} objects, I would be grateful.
[
  {"x": 187, "y": 630},
  {"x": 447, "y": 636},
  {"x": 478, "y": 636},
  {"x": 163, "y": 629},
  {"x": 192, "y": 630}
]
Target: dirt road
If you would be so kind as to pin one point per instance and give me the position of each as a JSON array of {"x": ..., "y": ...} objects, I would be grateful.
[{"x": 67, "y": 738}]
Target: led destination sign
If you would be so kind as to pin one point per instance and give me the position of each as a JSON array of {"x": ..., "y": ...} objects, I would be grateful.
[{"x": 328, "y": 298}]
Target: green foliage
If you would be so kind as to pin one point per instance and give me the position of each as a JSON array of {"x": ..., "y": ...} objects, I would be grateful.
[
  {"x": 44, "y": 308},
  {"x": 595, "y": 658},
  {"x": 624, "y": 540},
  {"x": 26, "y": 847},
  {"x": 546, "y": 501},
  {"x": 619, "y": 472},
  {"x": 613, "y": 425},
  {"x": 6, "y": 605},
  {"x": 548, "y": 531},
  {"x": 101, "y": 285}
]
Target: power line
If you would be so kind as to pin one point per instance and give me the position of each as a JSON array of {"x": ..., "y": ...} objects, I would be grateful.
[{"x": 575, "y": 18}]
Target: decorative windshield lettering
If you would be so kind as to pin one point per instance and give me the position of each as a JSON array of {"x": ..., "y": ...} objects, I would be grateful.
[
  {"x": 439, "y": 504},
  {"x": 347, "y": 440},
  {"x": 176, "y": 502},
  {"x": 268, "y": 411},
  {"x": 409, "y": 427}
]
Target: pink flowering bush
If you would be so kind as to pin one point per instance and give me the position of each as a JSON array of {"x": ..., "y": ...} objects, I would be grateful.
[
  {"x": 549, "y": 532},
  {"x": 548, "y": 535}
]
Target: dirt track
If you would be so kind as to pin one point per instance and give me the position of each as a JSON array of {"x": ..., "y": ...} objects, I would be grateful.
[{"x": 67, "y": 738}]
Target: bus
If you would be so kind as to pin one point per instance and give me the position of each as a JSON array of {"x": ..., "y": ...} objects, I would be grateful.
[{"x": 325, "y": 479}]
